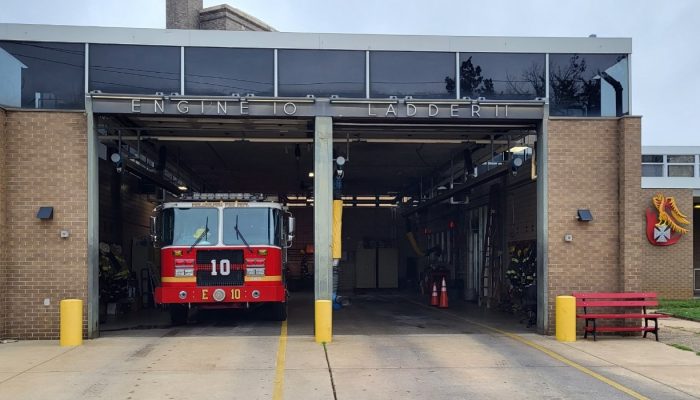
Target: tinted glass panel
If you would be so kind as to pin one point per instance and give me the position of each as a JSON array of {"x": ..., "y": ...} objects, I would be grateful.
[
  {"x": 681, "y": 159},
  {"x": 588, "y": 85},
  {"x": 418, "y": 74},
  {"x": 222, "y": 72},
  {"x": 652, "y": 158},
  {"x": 502, "y": 76},
  {"x": 321, "y": 72},
  {"x": 681, "y": 170},
  {"x": 248, "y": 225},
  {"x": 134, "y": 69},
  {"x": 652, "y": 170},
  {"x": 42, "y": 75}
]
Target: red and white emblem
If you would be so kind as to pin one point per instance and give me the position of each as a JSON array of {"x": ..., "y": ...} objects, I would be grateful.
[{"x": 664, "y": 224}]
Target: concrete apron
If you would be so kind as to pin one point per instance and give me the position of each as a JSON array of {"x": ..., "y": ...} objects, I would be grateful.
[{"x": 243, "y": 361}]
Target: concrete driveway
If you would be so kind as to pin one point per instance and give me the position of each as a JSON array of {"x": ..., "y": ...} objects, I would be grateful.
[{"x": 384, "y": 347}]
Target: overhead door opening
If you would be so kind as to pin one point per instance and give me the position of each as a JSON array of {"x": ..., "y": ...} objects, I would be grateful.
[{"x": 422, "y": 202}]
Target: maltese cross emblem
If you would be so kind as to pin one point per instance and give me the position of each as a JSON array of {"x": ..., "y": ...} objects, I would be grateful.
[{"x": 662, "y": 233}]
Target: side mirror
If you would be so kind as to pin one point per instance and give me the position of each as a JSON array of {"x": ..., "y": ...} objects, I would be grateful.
[
  {"x": 292, "y": 223},
  {"x": 154, "y": 234}
]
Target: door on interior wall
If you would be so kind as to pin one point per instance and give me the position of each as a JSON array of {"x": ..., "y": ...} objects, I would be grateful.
[
  {"x": 475, "y": 255},
  {"x": 377, "y": 268}
]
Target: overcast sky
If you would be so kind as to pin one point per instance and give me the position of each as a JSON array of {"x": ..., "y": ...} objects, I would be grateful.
[{"x": 665, "y": 35}]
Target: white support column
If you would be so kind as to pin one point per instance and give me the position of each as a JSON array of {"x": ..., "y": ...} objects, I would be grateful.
[
  {"x": 93, "y": 229},
  {"x": 182, "y": 70},
  {"x": 276, "y": 74},
  {"x": 323, "y": 222},
  {"x": 367, "y": 71},
  {"x": 458, "y": 89},
  {"x": 542, "y": 225},
  {"x": 87, "y": 67},
  {"x": 546, "y": 78}
]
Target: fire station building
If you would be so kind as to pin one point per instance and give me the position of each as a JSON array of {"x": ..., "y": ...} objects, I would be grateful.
[{"x": 506, "y": 163}]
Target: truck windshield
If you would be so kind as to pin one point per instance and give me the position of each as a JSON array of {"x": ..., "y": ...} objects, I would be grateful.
[
  {"x": 185, "y": 226},
  {"x": 256, "y": 226}
]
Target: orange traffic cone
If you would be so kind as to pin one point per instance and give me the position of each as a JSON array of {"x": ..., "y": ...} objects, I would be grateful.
[
  {"x": 443, "y": 295},
  {"x": 434, "y": 297}
]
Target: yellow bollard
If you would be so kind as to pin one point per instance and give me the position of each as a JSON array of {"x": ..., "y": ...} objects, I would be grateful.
[
  {"x": 566, "y": 318},
  {"x": 71, "y": 322},
  {"x": 337, "y": 229},
  {"x": 324, "y": 321}
]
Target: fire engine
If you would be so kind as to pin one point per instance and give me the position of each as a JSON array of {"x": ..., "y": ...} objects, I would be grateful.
[{"x": 222, "y": 251}]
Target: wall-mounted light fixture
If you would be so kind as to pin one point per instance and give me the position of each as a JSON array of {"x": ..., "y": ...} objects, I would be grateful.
[
  {"x": 45, "y": 213},
  {"x": 584, "y": 215}
]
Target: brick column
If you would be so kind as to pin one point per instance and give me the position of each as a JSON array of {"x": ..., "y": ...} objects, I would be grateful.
[
  {"x": 182, "y": 14},
  {"x": 631, "y": 222},
  {"x": 3, "y": 219},
  {"x": 45, "y": 165}
]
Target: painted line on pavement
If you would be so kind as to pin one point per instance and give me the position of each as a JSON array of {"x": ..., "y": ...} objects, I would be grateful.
[
  {"x": 278, "y": 391},
  {"x": 546, "y": 351}
]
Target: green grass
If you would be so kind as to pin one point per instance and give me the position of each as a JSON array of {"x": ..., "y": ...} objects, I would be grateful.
[
  {"x": 688, "y": 309},
  {"x": 681, "y": 347}
]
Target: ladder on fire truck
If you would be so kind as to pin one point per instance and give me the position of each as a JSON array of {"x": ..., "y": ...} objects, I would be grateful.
[{"x": 490, "y": 267}]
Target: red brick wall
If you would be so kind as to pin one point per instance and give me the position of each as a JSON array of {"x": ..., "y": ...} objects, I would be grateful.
[
  {"x": 668, "y": 270},
  {"x": 45, "y": 165}
]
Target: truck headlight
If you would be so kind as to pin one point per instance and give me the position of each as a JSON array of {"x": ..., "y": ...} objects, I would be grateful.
[
  {"x": 255, "y": 270},
  {"x": 184, "y": 271}
]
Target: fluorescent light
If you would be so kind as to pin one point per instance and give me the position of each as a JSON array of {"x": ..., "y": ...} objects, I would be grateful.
[
  {"x": 696, "y": 206},
  {"x": 311, "y": 174},
  {"x": 182, "y": 188},
  {"x": 518, "y": 149}
]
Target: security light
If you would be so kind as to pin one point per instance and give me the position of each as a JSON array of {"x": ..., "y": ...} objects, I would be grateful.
[
  {"x": 584, "y": 215},
  {"x": 45, "y": 213}
]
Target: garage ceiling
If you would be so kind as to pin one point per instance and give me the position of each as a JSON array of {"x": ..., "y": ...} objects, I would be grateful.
[{"x": 276, "y": 155}]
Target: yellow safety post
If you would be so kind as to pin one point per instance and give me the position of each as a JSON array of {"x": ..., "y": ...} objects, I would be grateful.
[
  {"x": 324, "y": 321},
  {"x": 566, "y": 318},
  {"x": 71, "y": 322},
  {"x": 337, "y": 229}
]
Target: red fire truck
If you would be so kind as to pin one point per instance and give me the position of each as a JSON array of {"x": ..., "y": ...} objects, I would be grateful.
[{"x": 222, "y": 254}]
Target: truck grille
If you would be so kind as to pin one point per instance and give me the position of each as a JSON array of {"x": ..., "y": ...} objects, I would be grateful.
[{"x": 235, "y": 278}]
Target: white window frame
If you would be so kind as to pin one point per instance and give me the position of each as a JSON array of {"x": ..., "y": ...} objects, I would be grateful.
[
  {"x": 662, "y": 164},
  {"x": 668, "y": 164}
]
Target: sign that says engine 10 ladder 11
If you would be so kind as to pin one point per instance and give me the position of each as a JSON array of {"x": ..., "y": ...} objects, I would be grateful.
[{"x": 664, "y": 222}]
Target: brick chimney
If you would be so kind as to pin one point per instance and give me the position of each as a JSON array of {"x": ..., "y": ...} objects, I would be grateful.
[{"x": 182, "y": 14}]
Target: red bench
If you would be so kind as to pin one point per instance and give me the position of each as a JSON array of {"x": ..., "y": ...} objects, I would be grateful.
[{"x": 592, "y": 303}]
